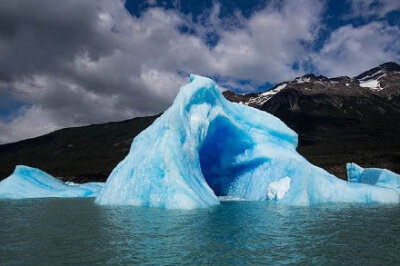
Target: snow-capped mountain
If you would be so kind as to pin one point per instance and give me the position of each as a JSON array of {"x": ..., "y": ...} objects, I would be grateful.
[
  {"x": 339, "y": 120},
  {"x": 345, "y": 117},
  {"x": 383, "y": 80}
]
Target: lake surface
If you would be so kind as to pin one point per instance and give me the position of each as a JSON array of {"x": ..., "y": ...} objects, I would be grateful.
[{"x": 77, "y": 232}]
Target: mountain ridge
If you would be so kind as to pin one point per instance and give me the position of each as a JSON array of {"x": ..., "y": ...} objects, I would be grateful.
[
  {"x": 338, "y": 120},
  {"x": 385, "y": 73}
]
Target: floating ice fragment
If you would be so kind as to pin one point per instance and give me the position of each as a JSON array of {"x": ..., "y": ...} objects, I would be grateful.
[
  {"x": 373, "y": 176},
  {"x": 28, "y": 182}
]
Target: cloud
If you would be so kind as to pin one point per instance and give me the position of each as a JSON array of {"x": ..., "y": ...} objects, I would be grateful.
[
  {"x": 351, "y": 50},
  {"x": 379, "y": 8},
  {"x": 270, "y": 42},
  {"x": 77, "y": 62},
  {"x": 35, "y": 118}
]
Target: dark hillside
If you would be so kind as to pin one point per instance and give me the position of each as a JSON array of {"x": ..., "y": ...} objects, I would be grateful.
[
  {"x": 80, "y": 154},
  {"x": 338, "y": 120}
]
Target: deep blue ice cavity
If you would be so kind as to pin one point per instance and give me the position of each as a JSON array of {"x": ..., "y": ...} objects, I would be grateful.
[
  {"x": 204, "y": 146},
  {"x": 222, "y": 144},
  {"x": 28, "y": 182}
]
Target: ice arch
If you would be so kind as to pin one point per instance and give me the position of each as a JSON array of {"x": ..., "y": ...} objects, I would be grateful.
[
  {"x": 217, "y": 155},
  {"x": 204, "y": 146}
]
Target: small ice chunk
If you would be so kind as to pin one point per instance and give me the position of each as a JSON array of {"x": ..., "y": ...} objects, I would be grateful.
[
  {"x": 373, "y": 176},
  {"x": 28, "y": 182}
]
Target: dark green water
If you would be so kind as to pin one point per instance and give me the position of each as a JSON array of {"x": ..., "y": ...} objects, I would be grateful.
[{"x": 78, "y": 232}]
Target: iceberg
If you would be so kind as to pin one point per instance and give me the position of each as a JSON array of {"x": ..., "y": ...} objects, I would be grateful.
[
  {"x": 373, "y": 176},
  {"x": 204, "y": 147},
  {"x": 28, "y": 182}
]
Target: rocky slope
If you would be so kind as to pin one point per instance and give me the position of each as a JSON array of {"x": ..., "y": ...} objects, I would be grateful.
[
  {"x": 339, "y": 120},
  {"x": 79, "y": 154}
]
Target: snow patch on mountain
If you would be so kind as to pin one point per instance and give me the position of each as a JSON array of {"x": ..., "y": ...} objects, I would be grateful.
[
  {"x": 372, "y": 84},
  {"x": 265, "y": 96},
  {"x": 303, "y": 80}
]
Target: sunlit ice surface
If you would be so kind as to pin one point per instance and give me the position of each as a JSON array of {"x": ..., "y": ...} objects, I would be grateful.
[{"x": 204, "y": 147}]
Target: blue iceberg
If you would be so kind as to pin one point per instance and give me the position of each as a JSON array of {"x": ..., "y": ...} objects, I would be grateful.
[
  {"x": 28, "y": 182},
  {"x": 373, "y": 176},
  {"x": 204, "y": 147}
]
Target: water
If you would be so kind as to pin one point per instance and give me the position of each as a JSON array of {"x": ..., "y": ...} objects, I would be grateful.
[{"x": 77, "y": 232}]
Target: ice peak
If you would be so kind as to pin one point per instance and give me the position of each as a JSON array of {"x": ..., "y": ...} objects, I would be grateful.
[{"x": 201, "y": 79}]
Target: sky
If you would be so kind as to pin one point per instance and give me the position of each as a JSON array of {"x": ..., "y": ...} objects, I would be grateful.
[{"x": 77, "y": 62}]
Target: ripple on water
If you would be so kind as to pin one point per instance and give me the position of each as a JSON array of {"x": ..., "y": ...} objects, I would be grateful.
[{"x": 76, "y": 231}]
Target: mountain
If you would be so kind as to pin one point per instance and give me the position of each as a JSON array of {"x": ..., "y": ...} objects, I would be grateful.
[
  {"x": 339, "y": 120},
  {"x": 79, "y": 154}
]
